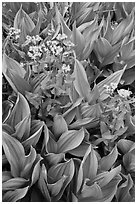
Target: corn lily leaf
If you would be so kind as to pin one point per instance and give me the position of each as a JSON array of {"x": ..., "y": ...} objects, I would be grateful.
[
  {"x": 71, "y": 112},
  {"x": 107, "y": 162},
  {"x": 91, "y": 111},
  {"x": 113, "y": 78},
  {"x": 123, "y": 193},
  {"x": 110, "y": 58},
  {"x": 80, "y": 150},
  {"x": 6, "y": 175},
  {"x": 59, "y": 125},
  {"x": 88, "y": 167},
  {"x": 123, "y": 28},
  {"x": 129, "y": 122},
  {"x": 22, "y": 128},
  {"x": 42, "y": 183},
  {"x": 108, "y": 192},
  {"x": 14, "y": 183},
  {"x": 81, "y": 82},
  {"x": 124, "y": 145},
  {"x": 36, "y": 170},
  {"x": 36, "y": 29},
  {"x": 8, "y": 129},
  {"x": 78, "y": 40},
  {"x": 52, "y": 145},
  {"x": 55, "y": 188},
  {"x": 70, "y": 140},
  {"x": 6, "y": 110},
  {"x": 56, "y": 172},
  {"x": 23, "y": 22},
  {"x": 46, "y": 138},
  {"x": 52, "y": 158},
  {"x": 14, "y": 196},
  {"x": 29, "y": 161},
  {"x": 93, "y": 191},
  {"x": 109, "y": 176},
  {"x": 33, "y": 139},
  {"x": 103, "y": 48},
  {"x": 109, "y": 31},
  {"x": 20, "y": 111},
  {"x": 85, "y": 122},
  {"x": 129, "y": 160},
  {"x": 15, "y": 154},
  {"x": 15, "y": 75}
]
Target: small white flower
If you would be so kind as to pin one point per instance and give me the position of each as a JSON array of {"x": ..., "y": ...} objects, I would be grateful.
[
  {"x": 113, "y": 86},
  {"x": 66, "y": 68},
  {"x": 61, "y": 37},
  {"x": 124, "y": 93}
]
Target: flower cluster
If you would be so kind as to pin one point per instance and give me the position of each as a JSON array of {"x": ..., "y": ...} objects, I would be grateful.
[
  {"x": 124, "y": 93},
  {"x": 110, "y": 88},
  {"x": 14, "y": 33}
]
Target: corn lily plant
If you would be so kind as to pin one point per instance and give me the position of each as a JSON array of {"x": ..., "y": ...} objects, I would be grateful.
[{"x": 68, "y": 108}]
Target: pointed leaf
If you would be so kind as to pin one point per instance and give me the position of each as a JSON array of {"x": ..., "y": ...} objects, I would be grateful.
[
  {"x": 81, "y": 82},
  {"x": 42, "y": 183},
  {"x": 15, "y": 154},
  {"x": 36, "y": 172},
  {"x": 109, "y": 176},
  {"x": 107, "y": 161},
  {"x": 59, "y": 125},
  {"x": 14, "y": 183},
  {"x": 70, "y": 140},
  {"x": 113, "y": 78},
  {"x": 33, "y": 139},
  {"x": 125, "y": 145},
  {"x": 78, "y": 40},
  {"x": 93, "y": 191},
  {"x": 19, "y": 112},
  {"x": 53, "y": 159},
  {"x": 56, "y": 187},
  {"x": 14, "y": 196}
]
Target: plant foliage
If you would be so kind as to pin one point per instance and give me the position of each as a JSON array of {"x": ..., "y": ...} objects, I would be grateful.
[{"x": 68, "y": 120}]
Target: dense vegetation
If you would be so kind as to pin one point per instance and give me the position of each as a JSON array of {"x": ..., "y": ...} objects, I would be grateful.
[{"x": 68, "y": 81}]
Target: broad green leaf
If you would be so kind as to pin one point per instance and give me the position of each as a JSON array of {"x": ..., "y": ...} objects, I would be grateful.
[
  {"x": 59, "y": 125},
  {"x": 78, "y": 40},
  {"x": 8, "y": 129},
  {"x": 14, "y": 183},
  {"x": 123, "y": 29},
  {"x": 56, "y": 187},
  {"x": 36, "y": 29},
  {"x": 22, "y": 15},
  {"x": 80, "y": 150},
  {"x": 113, "y": 78},
  {"x": 123, "y": 194},
  {"x": 46, "y": 138},
  {"x": 6, "y": 175},
  {"x": 110, "y": 58},
  {"x": 93, "y": 191},
  {"x": 129, "y": 161},
  {"x": 70, "y": 140},
  {"x": 20, "y": 111},
  {"x": 52, "y": 158},
  {"x": 14, "y": 75},
  {"x": 33, "y": 139},
  {"x": 103, "y": 48},
  {"x": 36, "y": 171},
  {"x": 56, "y": 172},
  {"x": 22, "y": 128},
  {"x": 52, "y": 145},
  {"x": 42, "y": 183},
  {"x": 109, "y": 176},
  {"x": 109, "y": 31},
  {"x": 15, "y": 154},
  {"x": 129, "y": 122},
  {"x": 81, "y": 82},
  {"x": 88, "y": 167},
  {"x": 91, "y": 111},
  {"x": 14, "y": 196},
  {"x": 71, "y": 112},
  {"x": 90, "y": 164},
  {"x": 85, "y": 122},
  {"x": 28, "y": 165},
  {"x": 107, "y": 161},
  {"x": 124, "y": 145}
]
